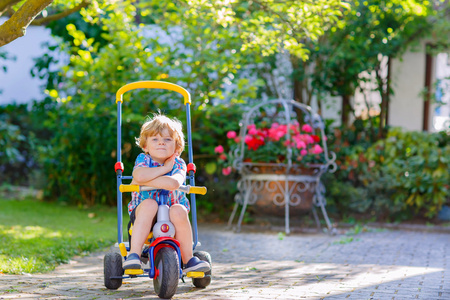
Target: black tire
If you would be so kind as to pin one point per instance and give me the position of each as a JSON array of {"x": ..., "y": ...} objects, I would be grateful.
[
  {"x": 205, "y": 281},
  {"x": 166, "y": 283},
  {"x": 112, "y": 267}
]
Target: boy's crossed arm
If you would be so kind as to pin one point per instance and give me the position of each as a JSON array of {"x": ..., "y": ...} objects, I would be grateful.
[
  {"x": 155, "y": 177},
  {"x": 170, "y": 183}
]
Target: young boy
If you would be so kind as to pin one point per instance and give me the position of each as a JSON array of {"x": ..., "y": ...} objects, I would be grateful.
[{"x": 162, "y": 140}]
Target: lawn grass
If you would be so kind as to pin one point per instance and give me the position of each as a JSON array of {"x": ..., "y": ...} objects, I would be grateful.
[{"x": 37, "y": 236}]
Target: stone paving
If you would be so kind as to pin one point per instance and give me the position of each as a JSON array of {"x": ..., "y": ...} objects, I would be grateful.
[{"x": 375, "y": 264}]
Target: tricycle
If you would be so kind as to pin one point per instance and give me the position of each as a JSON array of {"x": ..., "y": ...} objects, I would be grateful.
[{"x": 160, "y": 257}]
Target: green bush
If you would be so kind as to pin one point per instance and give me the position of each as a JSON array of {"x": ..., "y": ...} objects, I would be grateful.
[
  {"x": 17, "y": 144},
  {"x": 79, "y": 160},
  {"x": 404, "y": 175},
  {"x": 414, "y": 168},
  {"x": 209, "y": 131}
]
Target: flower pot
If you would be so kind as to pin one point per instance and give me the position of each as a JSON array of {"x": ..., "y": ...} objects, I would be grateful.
[{"x": 269, "y": 194}]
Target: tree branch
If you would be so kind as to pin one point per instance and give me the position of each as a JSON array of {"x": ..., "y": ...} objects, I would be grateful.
[
  {"x": 6, "y": 4},
  {"x": 16, "y": 26},
  {"x": 42, "y": 21}
]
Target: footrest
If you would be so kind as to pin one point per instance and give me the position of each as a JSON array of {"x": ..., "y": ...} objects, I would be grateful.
[
  {"x": 134, "y": 272},
  {"x": 195, "y": 274}
]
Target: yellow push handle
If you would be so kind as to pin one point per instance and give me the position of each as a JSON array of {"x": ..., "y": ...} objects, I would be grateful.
[
  {"x": 197, "y": 190},
  {"x": 153, "y": 84},
  {"x": 124, "y": 188}
]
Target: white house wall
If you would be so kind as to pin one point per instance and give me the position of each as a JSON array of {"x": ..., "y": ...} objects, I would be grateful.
[
  {"x": 331, "y": 108},
  {"x": 17, "y": 84},
  {"x": 406, "y": 105},
  {"x": 441, "y": 111},
  {"x": 408, "y": 80}
]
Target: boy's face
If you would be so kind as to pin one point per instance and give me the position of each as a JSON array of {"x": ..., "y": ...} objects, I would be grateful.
[{"x": 160, "y": 147}]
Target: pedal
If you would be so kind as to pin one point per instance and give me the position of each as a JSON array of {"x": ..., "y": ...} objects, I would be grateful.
[
  {"x": 195, "y": 274},
  {"x": 134, "y": 272}
]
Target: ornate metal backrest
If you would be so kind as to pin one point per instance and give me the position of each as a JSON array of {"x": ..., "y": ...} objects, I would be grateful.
[{"x": 284, "y": 112}]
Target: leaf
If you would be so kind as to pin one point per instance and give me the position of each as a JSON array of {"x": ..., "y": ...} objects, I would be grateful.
[
  {"x": 211, "y": 168},
  {"x": 410, "y": 200}
]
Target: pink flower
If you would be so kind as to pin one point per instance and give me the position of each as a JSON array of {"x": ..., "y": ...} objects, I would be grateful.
[
  {"x": 218, "y": 149},
  {"x": 252, "y": 131},
  {"x": 316, "y": 149},
  {"x": 237, "y": 140},
  {"x": 263, "y": 133},
  {"x": 275, "y": 134},
  {"x": 307, "y": 128},
  {"x": 303, "y": 152},
  {"x": 294, "y": 128},
  {"x": 222, "y": 157},
  {"x": 301, "y": 145},
  {"x": 226, "y": 171},
  {"x": 231, "y": 134},
  {"x": 306, "y": 138},
  {"x": 251, "y": 126}
]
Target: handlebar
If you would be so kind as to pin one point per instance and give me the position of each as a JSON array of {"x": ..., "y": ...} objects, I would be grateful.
[
  {"x": 197, "y": 190},
  {"x": 124, "y": 188},
  {"x": 153, "y": 84}
]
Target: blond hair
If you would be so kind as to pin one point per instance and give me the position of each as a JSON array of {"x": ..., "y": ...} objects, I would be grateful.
[{"x": 157, "y": 125}]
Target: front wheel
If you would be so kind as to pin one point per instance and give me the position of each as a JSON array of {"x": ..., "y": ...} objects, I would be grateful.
[
  {"x": 205, "y": 281},
  {"x": 112, "y": 270},
  {"x": 167, "y": 272}
]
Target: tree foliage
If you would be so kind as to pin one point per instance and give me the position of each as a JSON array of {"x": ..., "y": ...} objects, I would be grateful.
[
  {"x": 370, "y": 31},
  {"x": 269, "y": 26},
  {"x": 181, "y": 42}
]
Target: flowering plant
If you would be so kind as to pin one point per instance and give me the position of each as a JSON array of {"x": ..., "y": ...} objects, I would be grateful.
[{"x": 268, "y": 142}]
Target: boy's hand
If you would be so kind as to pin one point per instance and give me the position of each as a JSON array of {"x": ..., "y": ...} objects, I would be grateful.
[{"x": 170, "y": 161}]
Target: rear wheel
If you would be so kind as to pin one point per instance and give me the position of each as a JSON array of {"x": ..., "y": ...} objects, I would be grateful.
[
  {"x": 168, "y": 272},
  {"x": 205, "y": 281},
  {"x": 112, "y": 270}
]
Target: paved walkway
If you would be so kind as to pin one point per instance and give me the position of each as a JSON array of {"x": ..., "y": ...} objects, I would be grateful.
[{"x": 376, "y": 264}]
